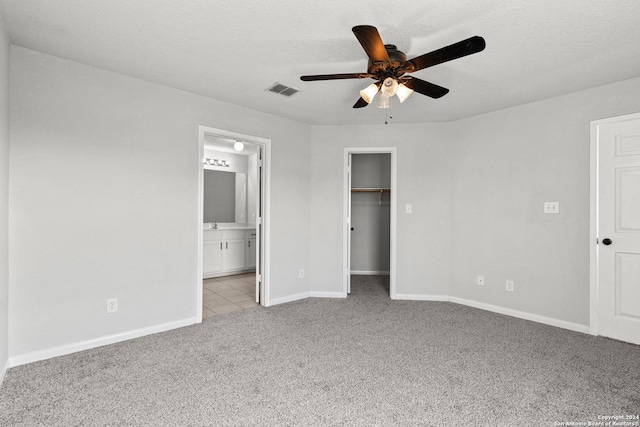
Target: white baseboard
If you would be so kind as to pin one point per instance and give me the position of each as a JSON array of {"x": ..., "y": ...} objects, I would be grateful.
[
  {"x": 288, "y": 298},
  {"x": 136, "y": 333},
  {"x": 5, "y": 368},
  {"x": 229, "y": 273},
  {"x": 327, "y": 295},
  {"x": 35, "y": 356},
  {"x": 483, "y": 306},
  {"x": 419, "y": 297},
  {"x": 369, "y": 273},
  {"x": 576, "y": 327}
]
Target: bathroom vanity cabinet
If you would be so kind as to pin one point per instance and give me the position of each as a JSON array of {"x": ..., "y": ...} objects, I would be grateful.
[
  {"x": 228, "y": 251},
  {"x": 251, "y": 250}
]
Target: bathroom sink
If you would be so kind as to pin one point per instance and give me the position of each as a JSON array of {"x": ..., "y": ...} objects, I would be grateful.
[{"x": 228, "y": 226}]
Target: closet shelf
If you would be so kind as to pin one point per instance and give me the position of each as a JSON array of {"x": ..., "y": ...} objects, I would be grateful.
[
  {"x": 371, "y": 190},
  {"x": 379, "y": 191}
]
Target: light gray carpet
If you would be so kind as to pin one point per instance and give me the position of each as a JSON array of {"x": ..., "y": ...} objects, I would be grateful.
[{"x": 363, "y": 361}]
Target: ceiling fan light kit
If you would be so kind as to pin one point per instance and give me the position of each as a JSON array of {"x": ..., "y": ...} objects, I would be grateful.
[
  {"x": 389, "y": 87},
  {"x": 369, "y": 92},
  {"x": 388, "y": 90},
  {"x": 403, "y": 92},
  {"x": 384, "y": 101},
  {"x": 388, "y": 66}
]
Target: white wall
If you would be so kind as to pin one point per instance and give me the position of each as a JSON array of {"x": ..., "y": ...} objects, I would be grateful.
[
  {"x": 88, "y": 221},
  {"x": 505, "y": 165},
  {"x": 4, "y": 200},
  {"x": 477, "y": 187},
  {"x": 423, "y": 181},
  {"x": 103, "y": 201}
]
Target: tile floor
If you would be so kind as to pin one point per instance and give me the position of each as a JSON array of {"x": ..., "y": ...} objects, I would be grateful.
[{"x": 227, "y": 294}]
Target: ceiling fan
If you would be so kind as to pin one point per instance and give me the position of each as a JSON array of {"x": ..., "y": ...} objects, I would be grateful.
[{"x": 388, "y": 66}]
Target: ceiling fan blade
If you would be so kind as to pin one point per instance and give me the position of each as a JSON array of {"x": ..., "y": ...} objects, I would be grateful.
[
  {"x": 425, "y": 88},
  {"x": 335, "y": 76},
  {"x": 371, "y": 42},
  {"x": 466, "y": 47},
  {"x": 360, "y": 103}
]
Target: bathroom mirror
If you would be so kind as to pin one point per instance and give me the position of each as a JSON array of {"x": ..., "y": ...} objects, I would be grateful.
[{"x": 225, "y": 196}]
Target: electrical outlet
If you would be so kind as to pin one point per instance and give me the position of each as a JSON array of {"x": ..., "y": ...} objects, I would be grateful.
[
  {"x": 551, "y": 207},
  {"x": 509, "y": 286},
  {"x": 112, "y": 305},
  {"x": 480, "y": 281},
  {"x": 301, "y": 273}
]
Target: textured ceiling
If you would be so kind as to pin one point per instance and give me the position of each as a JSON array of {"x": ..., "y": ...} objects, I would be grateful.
[{"x": 234, "y": 50}]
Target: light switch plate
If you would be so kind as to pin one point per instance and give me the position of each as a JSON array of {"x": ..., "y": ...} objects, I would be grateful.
[{"x": 408, "y": 208}]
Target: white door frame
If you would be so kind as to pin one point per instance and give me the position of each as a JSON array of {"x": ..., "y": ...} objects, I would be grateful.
[
  {"x": 392, "y": 215},
  {"x": 265, "y": 239},
  {"x": 594, "y": 287}
]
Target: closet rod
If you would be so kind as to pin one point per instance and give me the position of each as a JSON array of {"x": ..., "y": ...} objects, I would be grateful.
[
  {"x": 371, "y": 190},
  {"x": 380, "y": 191}
]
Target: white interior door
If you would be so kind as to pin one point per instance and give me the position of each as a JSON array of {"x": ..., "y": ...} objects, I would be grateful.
[
  {"x": 348, "y": 222},
  {"x": 260, "y": 228},
  {"x": 618, "y": 230}
]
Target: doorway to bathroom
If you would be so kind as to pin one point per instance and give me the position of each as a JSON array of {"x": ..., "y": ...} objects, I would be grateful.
[
  {"x": 369, "y": 226},
  {"x": 233, "y": 199}
]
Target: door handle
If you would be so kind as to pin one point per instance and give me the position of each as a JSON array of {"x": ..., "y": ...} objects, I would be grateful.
[
  {"x": 607, "y": 242},
  {"x": 351, "y": 228}
]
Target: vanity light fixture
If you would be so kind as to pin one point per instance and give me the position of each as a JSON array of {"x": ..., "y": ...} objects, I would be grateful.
[
  {"x": 238, "y": 146},
  {"x": 216, "y": 162}
]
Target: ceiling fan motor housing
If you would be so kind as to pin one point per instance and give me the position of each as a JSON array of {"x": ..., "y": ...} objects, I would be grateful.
[{"x": 396, "y": 58}]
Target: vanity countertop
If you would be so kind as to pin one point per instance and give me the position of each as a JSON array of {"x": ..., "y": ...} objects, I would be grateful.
[{"x": 228, "y": 226}]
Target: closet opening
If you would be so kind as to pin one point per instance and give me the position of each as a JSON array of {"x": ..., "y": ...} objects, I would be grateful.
[{"x": 369, "y": 220}]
